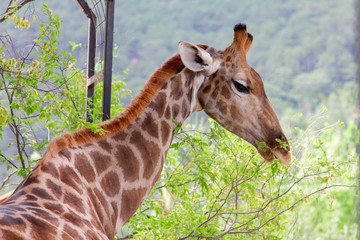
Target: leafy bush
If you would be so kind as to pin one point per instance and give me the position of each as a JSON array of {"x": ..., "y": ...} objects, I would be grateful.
[
  {"x": 215, "y": 185},
  {"x": 43, "y": 94}
]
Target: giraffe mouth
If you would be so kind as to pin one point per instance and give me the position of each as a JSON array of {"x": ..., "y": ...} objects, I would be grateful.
[{"x": 269, "y": 155}]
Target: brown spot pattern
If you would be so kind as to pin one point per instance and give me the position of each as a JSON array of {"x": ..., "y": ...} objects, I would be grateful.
[
  {"x": 131, "y": 201},
  {"x": 101, "y": 161},
  {"x": 30, "y": 197},
  {"x": 235, "y": 114},
  {"x": 66, "y": 153},
  {"x": 215, "y": 93},
  {"x": 12, "y": 221},
  {"x": 150, "y": 152},
  {"x": 50, "y": 169},
  {"x": 150, "y": 126},
  {"x": 128, "y": 162},
  {"x": 65, "y": 236},
  {"x": 74, "y": 219},
  {"x": 70, "y": 178},
  {"x": 45, "y": 215},
  {"x": 84, "y": 167},
  {"x": 168, "y": 113},
  {"x": 91, "y": 235},
  {"x": 185, "y": 109},
  {"x": 175, "y": 111},
  {"x": 110, "y": 184},
  {"x": 97, "y": 205},
  {"x": 54, "y": 207},
  {"x": 176, "y": 88},
  {"x": 72, "y": 232},
  {"x": 73, "y": 201},
  {"x": 41, "y": 193},
  {"x": 109, "y": 230},
  {"x": 54, "y": 188},
  {"x": 223, "y": 107},
  {"x": 105, "y": 145},
  {"x": 103, "y": 201},
  {"x": 225, "y": 92},
  {"x": 207, "y": 89},
  {"x": 6, "y": 234},
  {"x": 165, "y": 132},
  {"x": 120, "y": 136},
  {"x": 159, "y": 103},
  {"x": 40, "y": 228},
  {"x": 30, "y": 180}
]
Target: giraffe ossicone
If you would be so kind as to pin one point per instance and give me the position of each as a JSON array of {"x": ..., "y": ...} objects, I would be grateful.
[{"x": 87, "y": 185}]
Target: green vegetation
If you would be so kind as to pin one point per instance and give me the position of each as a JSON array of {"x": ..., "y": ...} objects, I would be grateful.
[
  {"x": 42, "y": 95},
  {"x": 214, "y": 184}
]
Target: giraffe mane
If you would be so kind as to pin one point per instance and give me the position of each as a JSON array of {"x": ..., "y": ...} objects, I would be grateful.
[{"x": 152, "y": 86}]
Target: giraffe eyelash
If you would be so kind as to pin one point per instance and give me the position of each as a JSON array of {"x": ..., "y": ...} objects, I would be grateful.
[{"x": 241, "y": 88}]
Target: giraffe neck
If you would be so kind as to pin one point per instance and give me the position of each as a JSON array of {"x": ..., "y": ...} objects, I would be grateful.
[
  {"x": 145, "y": 142},
  {"x": 93, "y": 189},
  {"x": 140, "y": 149}
]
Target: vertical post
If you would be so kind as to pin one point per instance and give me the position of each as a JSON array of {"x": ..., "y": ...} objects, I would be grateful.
[
  {"x": 109, "y": 30},
  {"x": 91, "y": 57},
  {"x": 91, "y": 67}
]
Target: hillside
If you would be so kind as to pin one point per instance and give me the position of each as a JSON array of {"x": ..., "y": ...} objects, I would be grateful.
[{"x": 304, "y": 50}]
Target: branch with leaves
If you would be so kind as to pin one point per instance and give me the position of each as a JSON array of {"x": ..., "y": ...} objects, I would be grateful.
[
  {"x": 12, "y": 8},
  {"x": 42, "y": 94},
  {"x": 35, "y": 88}
]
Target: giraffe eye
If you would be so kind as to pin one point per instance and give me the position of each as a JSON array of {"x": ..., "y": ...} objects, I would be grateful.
[{"x": 240, "y": 87}]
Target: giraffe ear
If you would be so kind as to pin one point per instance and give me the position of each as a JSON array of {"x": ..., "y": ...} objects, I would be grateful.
[{"x": 194, "y": 58}]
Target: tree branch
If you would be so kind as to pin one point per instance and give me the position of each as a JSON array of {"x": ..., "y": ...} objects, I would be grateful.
[{"x": 11, "y": 9}]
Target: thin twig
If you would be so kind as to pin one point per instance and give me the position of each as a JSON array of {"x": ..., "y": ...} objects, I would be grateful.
[
  {"x": 7, "y": 179},
  {"x": 10, "y": 10}
]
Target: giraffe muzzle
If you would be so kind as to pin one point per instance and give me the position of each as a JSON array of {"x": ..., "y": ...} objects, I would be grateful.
[{"x": 269, "y": 155}]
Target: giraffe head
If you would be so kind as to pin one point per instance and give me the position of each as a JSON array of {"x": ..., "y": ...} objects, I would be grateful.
[{"x": 232, "y": 93}]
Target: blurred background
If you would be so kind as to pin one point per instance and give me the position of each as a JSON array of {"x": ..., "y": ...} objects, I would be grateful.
[{"x": 304, "y": 50}]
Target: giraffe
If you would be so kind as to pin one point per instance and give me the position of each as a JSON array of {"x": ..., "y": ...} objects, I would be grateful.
[{"x": 88, "y": 185}]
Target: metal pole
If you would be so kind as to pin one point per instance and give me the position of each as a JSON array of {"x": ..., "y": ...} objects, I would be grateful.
[
  {"x": 109, "y": 30},
  {"x": 91, "y": 57},
  {"x": 91, "y": 67}
]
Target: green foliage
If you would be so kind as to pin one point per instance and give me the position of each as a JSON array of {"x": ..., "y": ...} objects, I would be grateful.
[
  {"x": 42, "y": 94},
  {"x": 216, "y": 185},
  {"x": 331, "y": 214}
]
